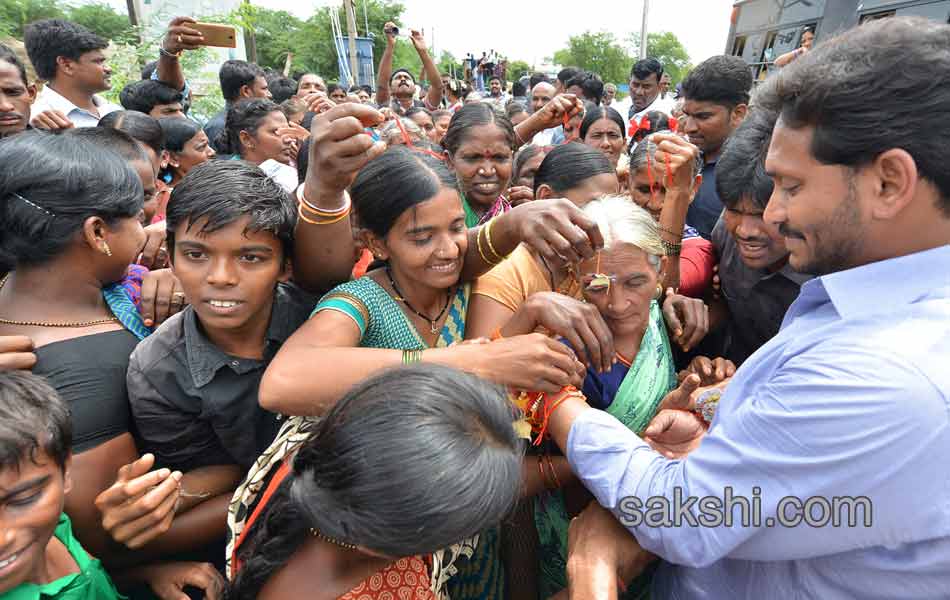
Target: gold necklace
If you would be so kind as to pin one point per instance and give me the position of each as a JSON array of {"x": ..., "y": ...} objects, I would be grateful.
[{"x": 3, "y": 282}]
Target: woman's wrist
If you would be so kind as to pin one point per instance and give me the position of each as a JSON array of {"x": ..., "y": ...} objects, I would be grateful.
[{"x": 323, "y": 199}]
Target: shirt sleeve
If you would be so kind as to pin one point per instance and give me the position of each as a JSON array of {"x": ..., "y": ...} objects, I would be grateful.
[
  {"x": 826, "y": 426},
  {"x": 696, "y": 267}
]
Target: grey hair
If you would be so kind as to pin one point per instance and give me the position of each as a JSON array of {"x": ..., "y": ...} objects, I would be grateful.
[
  {"x": 621, "y": 221},
  {"x": 391, "y": 129}
]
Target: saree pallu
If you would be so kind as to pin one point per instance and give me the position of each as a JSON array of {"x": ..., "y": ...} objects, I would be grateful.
[
  {"x": 500, "y": 207},
  {"x": 649, "y": 378}
]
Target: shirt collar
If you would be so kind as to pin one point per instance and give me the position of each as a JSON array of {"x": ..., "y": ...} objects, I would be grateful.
[
  {"x": 56, "y": 101},
  {"x": 205, "y": 359},
  {"x": 886, "y": 285}
]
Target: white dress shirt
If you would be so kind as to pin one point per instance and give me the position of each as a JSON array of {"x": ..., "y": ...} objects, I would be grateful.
[{"x": 50, "y": 99}]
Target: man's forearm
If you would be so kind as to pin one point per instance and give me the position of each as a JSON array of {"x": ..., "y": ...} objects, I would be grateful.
[
  {"x": 385, "y": 73},
  {"x": 170, "y": 72}
]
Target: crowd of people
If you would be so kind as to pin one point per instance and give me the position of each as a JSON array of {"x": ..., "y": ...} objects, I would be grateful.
[{"x": 416, "y": 343}]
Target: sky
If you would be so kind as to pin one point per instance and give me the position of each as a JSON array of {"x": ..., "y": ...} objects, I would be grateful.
[{"x": 531, "y": 31}]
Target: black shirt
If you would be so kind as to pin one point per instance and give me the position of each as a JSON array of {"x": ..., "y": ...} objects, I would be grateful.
[
  {"x": 757, "y": 299},
  {"x": 706, "y": 207},
  {"x": 89, "y": 374},
  {"x": 196, "y": 406}
]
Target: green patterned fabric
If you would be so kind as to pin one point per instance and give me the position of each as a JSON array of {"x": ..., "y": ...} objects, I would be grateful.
[
  {"x": 383, "y": 324},
  {"x": 651, "y": 377}
]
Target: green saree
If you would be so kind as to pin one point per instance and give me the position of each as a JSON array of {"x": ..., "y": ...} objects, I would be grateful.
[{"x": 650, "y": 377}]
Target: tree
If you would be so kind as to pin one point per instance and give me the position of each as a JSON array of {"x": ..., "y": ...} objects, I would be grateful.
[
  {"x": 103, "y": 20},
  {"x": 666, "y": 48},
  {"x": 275, "y": 31},
  {"x": 596, "y": 52},
  {"x": 15, "y": 14},
  {"x": 517, "y": 68}
]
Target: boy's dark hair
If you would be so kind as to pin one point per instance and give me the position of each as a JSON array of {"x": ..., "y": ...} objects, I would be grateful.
[
  {"x": 235, "y": 74},
  {"x": 224, "y": 191},
  {"x": 566, "y": 74},
  {"x": 518, "y": 89},
  {"x": 592, "y": 86},
  {"x": 393, "y": 76},
  {"x": 118, "y": 141},
  {"x": 281, "y": 88},
  {"x": 145, "y": 95},
  {"x": 33, "y": 419},
  {"x": 8, "y": 55},
  {"x": 535, "y": 79},
  {"x": 140, "y": 126},
  {"x": 46, "y": 40},
  {"x": 643, "y": 68},
  {"x": 883, "y": 85},
  {"x": 723, "y": 80},
  {"x": 742, "y": 173}
]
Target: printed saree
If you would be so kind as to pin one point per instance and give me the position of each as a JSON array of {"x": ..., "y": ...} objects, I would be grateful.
[{"x": 649, "y": 378}]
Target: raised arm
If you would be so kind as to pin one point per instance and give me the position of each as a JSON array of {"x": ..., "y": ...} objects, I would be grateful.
[
  {"x": 339, "y": 147},
  {"x": 434, "y": 96},
  {"x": 178, "y": 38},
  {"x": 386, "y": 66}
]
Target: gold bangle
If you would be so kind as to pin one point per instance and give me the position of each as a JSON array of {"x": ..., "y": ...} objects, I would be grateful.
[
  {"x": 312, "y": 222},
  {"x": 491, "y": 246},
  {"x": 478, "y": 243}
]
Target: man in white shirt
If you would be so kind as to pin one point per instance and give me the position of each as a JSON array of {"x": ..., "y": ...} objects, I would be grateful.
[
  {"x": 644, "y": 91},
  {"x": 70, "y": 59}
]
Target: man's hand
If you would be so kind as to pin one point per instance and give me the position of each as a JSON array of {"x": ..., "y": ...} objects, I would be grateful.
[
  {"x": 154, "y": 253},
  {"x": 680, "y": 156},
  {"x": 390, "y": 30},
  {"x": 559, "y": 110},
  {"x": 182, "y": 37},
  {"x": 419, "y": 41},
  {"x": 675, "y": 433},
  {"x": 520, "y": 194},
  {"x": 602, "y": 556},
  {"x": 16, "y": 353},
  {"x": 169, "y": 580},
  {"x": 686, "y": 318},
  {"x": 710, "y": 370},
  {"x": 51, "y": 120},
  {"x": 162, "y": 297},
  {"x": 140, "y": 505}
]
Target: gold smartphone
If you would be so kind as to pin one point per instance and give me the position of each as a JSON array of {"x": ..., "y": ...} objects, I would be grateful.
[{"x": 216, "y": 34}]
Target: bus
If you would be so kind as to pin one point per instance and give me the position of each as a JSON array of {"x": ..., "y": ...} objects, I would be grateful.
[{"x": 763, "y": 30}]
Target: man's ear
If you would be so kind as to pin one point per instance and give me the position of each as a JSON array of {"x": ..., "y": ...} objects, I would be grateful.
[
  {"x": 895, "y": 179},
  {"x": 67, "y": 65},
  {"x": 738, "y": 114},
  {"x": 31, "y": 92},
  {"x": 246, "y": 91}
]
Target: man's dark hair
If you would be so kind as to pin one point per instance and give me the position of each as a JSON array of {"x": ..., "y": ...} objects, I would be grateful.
[
  {"x": 643, "y": 68},
  {"x": 883, "y": 85},
  {"x": 140, "y": 126},
  {"x": 234, "y": 75},
  {"x": 8, "y": 55},
  {"x": 148, "y": 69},
  {"x": 592, "y": 86},
  {"x": 117, "y": 141},
  {"x": 535, "y": 79},
  {"x": 46, "y": 40},
  {"x": 740, "y": 172},
  {"x": 33, "y": 418},
  {"x": 397, "y": 72},
  {"x": 220, "y": 192},
  {"x": 281, "y": 88},
  {"x": 145, "y": 95},
  {"x": 723, "y": 80},
  {"x": 567, "y": 73},
  {"x": 518, "y": 89}
]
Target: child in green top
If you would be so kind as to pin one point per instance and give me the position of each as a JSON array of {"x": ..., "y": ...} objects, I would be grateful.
[{"x": 39, "y": 557}]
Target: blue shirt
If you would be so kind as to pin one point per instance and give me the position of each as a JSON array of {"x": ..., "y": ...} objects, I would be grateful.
[
  {"x": 849, "y": 399},
  {"x": 706, "y": 207}
]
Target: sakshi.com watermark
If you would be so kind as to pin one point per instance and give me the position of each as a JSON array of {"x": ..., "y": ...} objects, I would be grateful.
[{"x": 731, "y": 510}]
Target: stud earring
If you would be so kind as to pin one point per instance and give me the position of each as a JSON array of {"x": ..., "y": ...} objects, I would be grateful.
[{"x": 659, "y": 292}]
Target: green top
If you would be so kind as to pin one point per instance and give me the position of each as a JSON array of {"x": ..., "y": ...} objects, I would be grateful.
[{"x": 90, "y": 583}]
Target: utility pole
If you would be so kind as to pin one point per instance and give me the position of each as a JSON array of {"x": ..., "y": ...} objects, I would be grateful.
[
  {"x": 250, "y": 40},
  {"x": 350, "y": 11},
  {"x": 643, "y": 29},
  {"x": 133, "y": 12}
]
